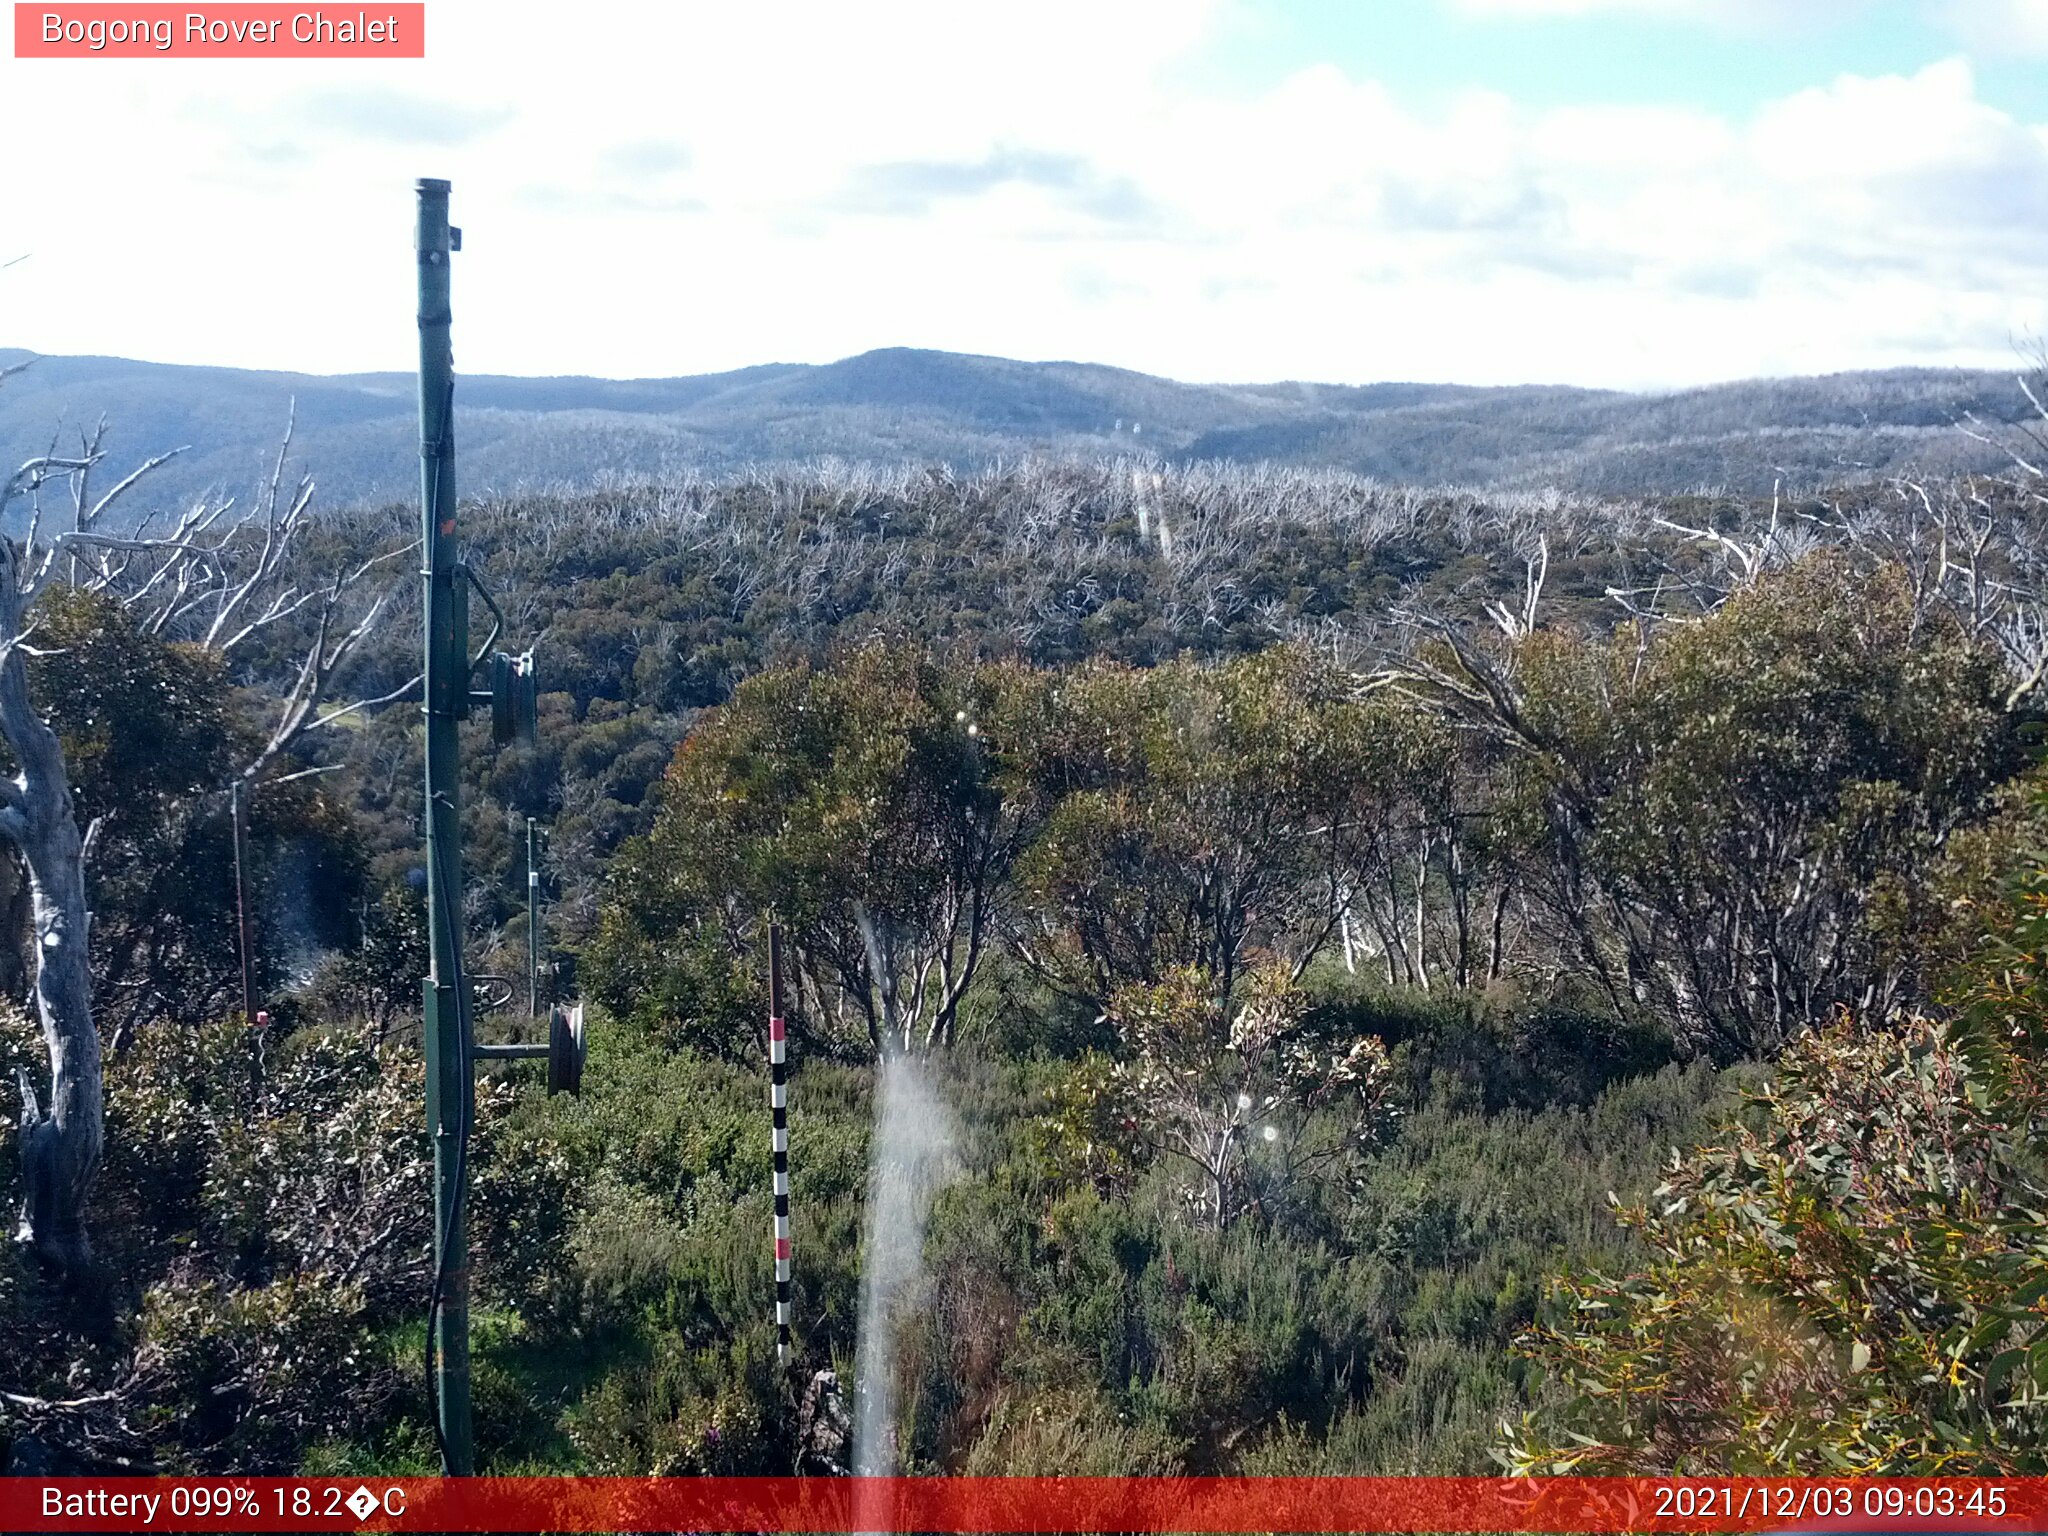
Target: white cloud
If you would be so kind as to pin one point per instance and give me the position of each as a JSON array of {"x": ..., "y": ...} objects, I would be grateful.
[
  {"x": 2000, "y": 28},
  {"x": 1735, "y": 15},
  {"x": 1858, "y": 129},
  {"x": 802, "y": 181}
]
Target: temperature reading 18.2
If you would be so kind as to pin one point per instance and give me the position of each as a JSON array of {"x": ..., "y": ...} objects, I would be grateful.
[{"x": 337, "y": 1501}]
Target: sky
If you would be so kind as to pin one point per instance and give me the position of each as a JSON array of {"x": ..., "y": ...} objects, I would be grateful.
[{"x": 1638, "y": 194}]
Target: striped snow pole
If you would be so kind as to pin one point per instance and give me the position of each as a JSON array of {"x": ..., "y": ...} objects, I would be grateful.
[{"x": 778, "y": 1100}]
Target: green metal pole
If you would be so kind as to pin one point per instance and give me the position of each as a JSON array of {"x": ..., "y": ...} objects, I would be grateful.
[
  {"x": 449, "y": 1083},
  {"x": 532, "y": 923},
  {"x": 238, "y": 825}
]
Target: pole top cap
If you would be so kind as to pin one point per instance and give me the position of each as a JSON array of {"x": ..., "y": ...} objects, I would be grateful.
[{"x": 431, "y": 184}]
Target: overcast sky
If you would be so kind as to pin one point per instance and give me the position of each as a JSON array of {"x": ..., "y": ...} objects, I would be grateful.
[{"x": 1637, "y": 193}]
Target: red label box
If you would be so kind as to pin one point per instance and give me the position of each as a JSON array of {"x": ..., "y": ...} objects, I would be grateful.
[{"x": 226, "y": 31}]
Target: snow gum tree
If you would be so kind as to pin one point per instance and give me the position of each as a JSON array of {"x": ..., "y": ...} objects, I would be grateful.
[{"x": 214, "y": 578}]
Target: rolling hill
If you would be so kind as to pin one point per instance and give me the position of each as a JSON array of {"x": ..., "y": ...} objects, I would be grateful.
[{"x": 357, "y": 433}]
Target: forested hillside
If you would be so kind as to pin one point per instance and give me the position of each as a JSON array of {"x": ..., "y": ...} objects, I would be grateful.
[
  {"x": 904, "y": 406},
  {"x": 1314, "y": 898}
]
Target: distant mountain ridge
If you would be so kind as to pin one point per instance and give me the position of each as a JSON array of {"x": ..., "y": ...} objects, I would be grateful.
[{"x": 356, "y": 432}]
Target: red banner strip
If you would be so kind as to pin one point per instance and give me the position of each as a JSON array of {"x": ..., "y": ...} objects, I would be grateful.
[
  {"x": 985, "y": 1504},
  {"x": 378, "y": 30}
]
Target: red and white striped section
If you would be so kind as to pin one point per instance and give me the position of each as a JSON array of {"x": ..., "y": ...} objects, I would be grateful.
[{"x": 778, "y": 1101}]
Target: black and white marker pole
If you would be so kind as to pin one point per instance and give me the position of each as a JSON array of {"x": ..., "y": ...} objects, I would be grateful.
[{"x": 778, "y": 1100}]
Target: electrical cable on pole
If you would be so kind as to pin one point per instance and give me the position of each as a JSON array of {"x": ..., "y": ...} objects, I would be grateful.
[
  {"x": 532, "y": 920},
  {"x": 446, "y": 701}
]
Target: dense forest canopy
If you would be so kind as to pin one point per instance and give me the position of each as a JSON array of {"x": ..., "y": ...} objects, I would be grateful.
[{"x": 1488, "y": 850}]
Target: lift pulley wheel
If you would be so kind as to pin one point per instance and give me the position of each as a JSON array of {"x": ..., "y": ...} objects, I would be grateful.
[
  {"x": 515, "y": 699},
  {"x": 566, "y": 1049}
]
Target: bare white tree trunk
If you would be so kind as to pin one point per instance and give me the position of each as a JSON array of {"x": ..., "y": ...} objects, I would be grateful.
[
  {"x": 1422, "y": 915},
  {"x": 60, "y": 1145}
]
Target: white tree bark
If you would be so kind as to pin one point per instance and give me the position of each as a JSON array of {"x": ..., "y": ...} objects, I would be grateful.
[{"x": 60, "y": 1144}]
